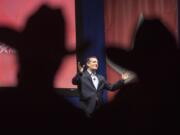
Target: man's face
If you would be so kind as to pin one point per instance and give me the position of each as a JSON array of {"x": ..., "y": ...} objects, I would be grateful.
[{"x": 92, "y": 64}]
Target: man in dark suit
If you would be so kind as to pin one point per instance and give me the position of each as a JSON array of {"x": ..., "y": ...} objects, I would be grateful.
[{"x": 92, "y": 84}]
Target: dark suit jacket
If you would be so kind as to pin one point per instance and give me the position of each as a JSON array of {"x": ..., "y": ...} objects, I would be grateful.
[{"x": 89, "y": 95}]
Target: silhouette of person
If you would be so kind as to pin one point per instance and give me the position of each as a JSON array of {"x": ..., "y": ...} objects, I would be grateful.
[
  {"x": 41, "y": 49},
  {"x": 150, "y": 103}
]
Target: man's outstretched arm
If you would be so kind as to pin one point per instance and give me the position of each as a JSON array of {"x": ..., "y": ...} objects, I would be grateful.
[
  {"x": 76, "y": 79},
  {"x": 116, "y": 85}
]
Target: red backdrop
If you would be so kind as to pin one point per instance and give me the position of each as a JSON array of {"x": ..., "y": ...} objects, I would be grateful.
[
  {"x": 14, "y": 14},
  {"x": 121, "y": 17}
]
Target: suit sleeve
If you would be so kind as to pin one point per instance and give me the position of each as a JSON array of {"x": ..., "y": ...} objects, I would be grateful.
[
  {"x": 76, "y": 79},
  {"x": 114, "y": 86}
]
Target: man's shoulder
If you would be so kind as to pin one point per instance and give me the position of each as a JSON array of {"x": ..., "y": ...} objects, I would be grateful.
[
  {"x": 85, "y": 73},
  {"x": 100, "y": 76}
]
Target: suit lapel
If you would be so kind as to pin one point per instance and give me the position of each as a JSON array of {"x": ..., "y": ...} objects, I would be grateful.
[
  {"x": 90, "y": 79},
  {"x": 100, "y": 82}
]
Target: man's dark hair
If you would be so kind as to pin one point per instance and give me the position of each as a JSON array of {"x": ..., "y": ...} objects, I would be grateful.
[{"x": 88, "y": 59}]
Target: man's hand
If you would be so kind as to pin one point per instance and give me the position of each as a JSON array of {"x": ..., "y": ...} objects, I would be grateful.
[
  {"x": 125, "y": 76},
  {"x": 80, "y": 68}
]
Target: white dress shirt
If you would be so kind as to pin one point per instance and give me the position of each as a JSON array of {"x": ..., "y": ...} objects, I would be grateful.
[{"x": 94, "y": 78}]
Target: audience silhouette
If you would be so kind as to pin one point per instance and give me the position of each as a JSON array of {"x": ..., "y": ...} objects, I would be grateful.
[
  {"x": 41, "y": 49},
  {"x": 150, "y": 103}
]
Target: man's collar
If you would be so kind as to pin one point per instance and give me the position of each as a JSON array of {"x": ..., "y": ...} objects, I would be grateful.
[{"x": 90, "y": 72}]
